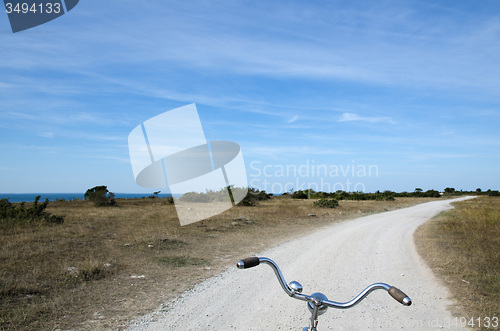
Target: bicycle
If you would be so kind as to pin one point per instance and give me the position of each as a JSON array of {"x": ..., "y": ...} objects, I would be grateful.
[{"x": 318, "y": 303}]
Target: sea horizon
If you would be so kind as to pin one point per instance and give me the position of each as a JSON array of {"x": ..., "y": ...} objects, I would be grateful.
[{"x": 30, "y": 197}]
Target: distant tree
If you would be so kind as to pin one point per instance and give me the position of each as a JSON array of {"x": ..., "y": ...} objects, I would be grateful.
[
  {"x": 154, "y": 195},
  {"x": 431, "y": 194},
  {"x": 449, "y": 190},
  {"x": 100, "y": 196},
  {"x": 418, "y": 192},
  {"x": 300, "y": 194},
  {"x": 478, "y": 190},
  {"x": 494, "y": 193}
]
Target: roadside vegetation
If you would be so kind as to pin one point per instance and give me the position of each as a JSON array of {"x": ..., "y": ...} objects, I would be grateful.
[
  {"x": 462, "y": 246},
  {"x": 251, "y": 198},
  {"x": 18, "y": 214},
  {"x": 104, "y": 266},
  {"x": 101, "y": 197},
  {"x": 388, "y": 195},
  {"x": 326, "y": 203}
]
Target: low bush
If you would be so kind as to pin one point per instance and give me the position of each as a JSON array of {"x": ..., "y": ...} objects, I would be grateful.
[
  {"x": 12, "y": 215},
  {"x": 308, "y": 194},
  {"x": 154, "y": 195},
  {"x": 197, "y": 197},
  {"x": 100, "y": 196},
  {"x": 300, "y": 195},
  {"x": 253, "y": 196},
  {"x": 326, "y": 203},
  {"x": 250, "y": 198}
]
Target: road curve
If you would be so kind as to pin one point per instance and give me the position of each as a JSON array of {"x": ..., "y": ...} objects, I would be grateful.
[{"x": 339, "y": 260}]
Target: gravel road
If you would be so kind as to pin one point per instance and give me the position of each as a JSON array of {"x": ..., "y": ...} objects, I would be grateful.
[{"x": 339, "y": 260}]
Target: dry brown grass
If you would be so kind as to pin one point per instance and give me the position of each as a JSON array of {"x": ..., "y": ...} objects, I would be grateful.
[
  {"x": 462, "y": 246},
  {"x": 105, "y": 266}
]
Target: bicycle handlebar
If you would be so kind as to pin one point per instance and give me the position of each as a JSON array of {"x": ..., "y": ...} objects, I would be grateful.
[
  {"x": 396, "y": 293},
  {"x": 249, "y": 262},
  {"x": 400, "y": 296}
]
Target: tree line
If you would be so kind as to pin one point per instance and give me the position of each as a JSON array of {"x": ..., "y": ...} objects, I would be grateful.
[{"x": 386, "y": 195}]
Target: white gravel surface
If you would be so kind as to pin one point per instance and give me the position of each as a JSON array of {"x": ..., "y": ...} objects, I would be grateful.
[{"x": 339, "y": 260}]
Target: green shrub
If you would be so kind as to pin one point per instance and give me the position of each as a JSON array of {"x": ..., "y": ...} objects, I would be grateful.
[
  {"x": 197, "y": 197},
  {"x": 260, "y": 195},
  {"x": 326, "y": 203},
  {"x": 449, "y": 191},
  {"x": 253, "y": 196},
  {"x": 100, "y": 196},
  {"x": 207, "y": 196},
  {"x": 300, "y": 195},
  {"x": 154, "y": 195},
  {"x": 250, "y": 199},
  {"x": 12, "y": 215}
]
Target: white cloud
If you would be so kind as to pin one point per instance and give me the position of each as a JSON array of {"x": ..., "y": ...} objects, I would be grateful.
[
  {"x": 49, "y": 135},
  {"x": 293, "y": 119},
  {"x": 352, "y": 117},
  {"x": 287, "y": 152},
  {"x": 437, "y": 156}
]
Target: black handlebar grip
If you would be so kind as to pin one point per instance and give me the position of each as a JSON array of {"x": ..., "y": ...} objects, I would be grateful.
[
  {"x": 249, "y": 262},
  {"x": 400, "y": 296}
]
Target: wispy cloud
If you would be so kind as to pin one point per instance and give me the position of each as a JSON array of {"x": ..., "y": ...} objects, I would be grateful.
[
  {"x": 289, "y": 152},
  {"x": 439, "y": 156},
  {"x": 5, "y": 85},
  {"x": 402, "y": 51},
  {"x": 293, "y": 119},
  {"x": 22, "y": 148},
  {"x": 352, "y": 117},
  {"x": 47, "y": 134}
]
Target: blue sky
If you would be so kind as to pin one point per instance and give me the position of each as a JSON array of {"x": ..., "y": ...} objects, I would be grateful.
[{"x": 411, "y": 88}]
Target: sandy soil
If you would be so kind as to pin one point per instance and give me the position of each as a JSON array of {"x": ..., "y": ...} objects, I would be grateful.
[{"x": 339, "y": 260}]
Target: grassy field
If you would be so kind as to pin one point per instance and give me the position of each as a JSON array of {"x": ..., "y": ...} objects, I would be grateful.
[
  {"x": 462, "y": 246},
  {"x": 107, "y": 265}
]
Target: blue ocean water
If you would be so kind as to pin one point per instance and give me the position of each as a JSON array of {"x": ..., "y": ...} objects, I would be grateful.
[{"x": 30, "y": 197}]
